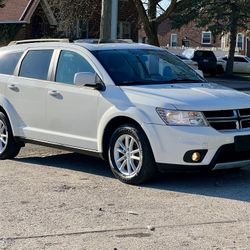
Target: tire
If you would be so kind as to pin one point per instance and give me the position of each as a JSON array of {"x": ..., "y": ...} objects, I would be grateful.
[
  {"x": 131, "y": 168},
  {"x": 8, "y": 147},
  {"x": 220, "y": 69}
]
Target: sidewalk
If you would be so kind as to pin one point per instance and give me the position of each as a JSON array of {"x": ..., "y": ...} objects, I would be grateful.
[{"x": 235, "y": 84}]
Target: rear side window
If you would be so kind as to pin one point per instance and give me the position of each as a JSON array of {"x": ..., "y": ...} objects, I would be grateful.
[
  {"x": 36, "y": 64},
  {"x": 205, "y": 55},
  {"x": 240, "y": 59},
  {"x": 8, "y": 62}
]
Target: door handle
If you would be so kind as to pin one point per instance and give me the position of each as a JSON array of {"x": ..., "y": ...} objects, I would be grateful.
[
  {"x": 13, "y": 87},
  {"x": 53, "y": 93}
]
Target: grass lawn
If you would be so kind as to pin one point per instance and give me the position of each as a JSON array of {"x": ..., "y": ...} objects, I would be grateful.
[{"x": 243, "y": 77}]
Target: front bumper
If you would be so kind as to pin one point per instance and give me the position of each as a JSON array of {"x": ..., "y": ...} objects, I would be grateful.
[{"x": 171, "y": 143}]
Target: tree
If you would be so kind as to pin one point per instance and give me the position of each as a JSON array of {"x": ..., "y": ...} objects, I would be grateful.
[
  {"x": 218, "y": 16},
  {"x": 68, "y": 13},
  {"x": 1, "y": 3},
  {"x": 152, "y": 14}
]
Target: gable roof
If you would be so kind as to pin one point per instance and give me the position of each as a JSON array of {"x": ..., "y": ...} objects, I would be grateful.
[{"x": 21, "y": 11}]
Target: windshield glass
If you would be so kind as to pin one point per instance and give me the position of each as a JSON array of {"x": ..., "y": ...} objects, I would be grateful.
[{"x": 144, "y": 66}]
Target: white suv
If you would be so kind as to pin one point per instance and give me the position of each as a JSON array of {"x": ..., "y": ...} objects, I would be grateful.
[{"x": 137, "y": 106}]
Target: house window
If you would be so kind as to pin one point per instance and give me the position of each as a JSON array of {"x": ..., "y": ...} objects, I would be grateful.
[
  {"x": 240, "y": 41},
  {"x": 206, "y": 37},
  {"x": 173, "y": 40},
  {"x": 124, "y": 30},
  {"x": 82, "y": 28}
]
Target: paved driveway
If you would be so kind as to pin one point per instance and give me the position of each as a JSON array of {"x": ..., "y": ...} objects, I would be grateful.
[{"x": 53, "y": 199}]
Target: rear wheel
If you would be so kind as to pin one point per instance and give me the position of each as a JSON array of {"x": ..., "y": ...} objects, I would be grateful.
[
  {"x": 130, "y": 155},
  {"x": 8, "y": 147}
]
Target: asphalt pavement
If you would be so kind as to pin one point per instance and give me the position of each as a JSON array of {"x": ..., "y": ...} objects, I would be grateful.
[{"x": 52, "y": 199}]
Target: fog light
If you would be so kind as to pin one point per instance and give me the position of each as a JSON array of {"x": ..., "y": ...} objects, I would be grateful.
[{"x": 196, "y": 156}]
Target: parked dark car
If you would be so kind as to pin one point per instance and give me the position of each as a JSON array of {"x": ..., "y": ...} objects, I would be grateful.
[{"x": 206, "y": 59}]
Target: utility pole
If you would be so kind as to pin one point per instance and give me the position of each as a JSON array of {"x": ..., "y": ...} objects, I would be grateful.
[
  {"x": 106, "y": 17},
  {"x": 114, "y": 19}
]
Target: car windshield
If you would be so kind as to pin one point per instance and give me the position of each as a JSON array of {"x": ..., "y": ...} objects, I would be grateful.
[{"x": 145, "y": 66}]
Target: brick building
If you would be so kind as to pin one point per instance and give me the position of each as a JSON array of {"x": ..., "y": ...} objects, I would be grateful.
[
  {"x": 24, "y": 19},
  {"x": 191, "y": 36}
]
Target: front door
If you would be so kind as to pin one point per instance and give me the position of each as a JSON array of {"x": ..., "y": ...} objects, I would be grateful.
[{"x": 72, "y": 109}]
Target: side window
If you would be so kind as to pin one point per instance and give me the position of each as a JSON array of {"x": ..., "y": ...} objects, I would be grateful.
[
  {"x": 36, "y": 64},
  {"x": 8, "y": 62},
  {"x": 69, "y": 64},
  {"x": 240, "y": 59}
]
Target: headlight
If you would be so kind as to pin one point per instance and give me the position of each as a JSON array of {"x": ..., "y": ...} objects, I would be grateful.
[{"x": 182, "y": 118}]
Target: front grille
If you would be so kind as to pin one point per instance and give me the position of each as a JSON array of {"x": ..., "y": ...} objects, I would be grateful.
[{"x": 224, "y": 120}]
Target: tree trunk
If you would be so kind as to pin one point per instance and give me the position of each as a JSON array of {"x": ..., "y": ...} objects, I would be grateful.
[
  {"x": 233, "y": 37},
  {"x": 153, "y": 34}
]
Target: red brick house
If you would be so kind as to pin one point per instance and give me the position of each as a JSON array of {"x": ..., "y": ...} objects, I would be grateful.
[
  {"x": 191, "y": 36},
  {"x": 26, "y": 19}
]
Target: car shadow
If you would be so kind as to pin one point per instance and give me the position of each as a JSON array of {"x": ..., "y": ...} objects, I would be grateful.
[
  {"x": 71, "y": 161},
  {"x": 228, "y": 184}
]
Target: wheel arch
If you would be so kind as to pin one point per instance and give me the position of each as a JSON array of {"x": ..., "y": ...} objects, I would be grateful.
[
  {"x": 111, "y": 126},
  {"x": 3, "y": 110}
]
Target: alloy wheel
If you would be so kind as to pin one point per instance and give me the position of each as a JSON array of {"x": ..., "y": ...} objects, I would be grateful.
[
  {"x": 3, "y": 137},
  {"x": 127, "y": 155}
]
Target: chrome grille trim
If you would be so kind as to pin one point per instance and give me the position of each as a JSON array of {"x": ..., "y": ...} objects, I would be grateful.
[{"x": 229, "y": 120}]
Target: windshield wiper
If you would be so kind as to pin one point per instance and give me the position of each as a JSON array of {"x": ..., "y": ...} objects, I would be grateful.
[
  {"x": 131, "y": 83},
  {"x": 154, "y": 82},
  {"x": 184, "y": 80}
]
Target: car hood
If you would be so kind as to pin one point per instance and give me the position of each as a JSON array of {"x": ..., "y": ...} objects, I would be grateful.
[{"x": 188, "y": 96}]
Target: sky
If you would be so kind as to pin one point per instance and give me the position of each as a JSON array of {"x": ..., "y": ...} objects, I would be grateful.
[{"x": 165, "y": 3}]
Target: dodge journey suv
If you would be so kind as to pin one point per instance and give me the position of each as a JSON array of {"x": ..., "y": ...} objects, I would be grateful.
[{"x": 136, "y": 106}]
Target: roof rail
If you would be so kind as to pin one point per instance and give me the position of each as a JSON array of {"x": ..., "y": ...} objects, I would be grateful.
[{"x": 64, "y": 40}]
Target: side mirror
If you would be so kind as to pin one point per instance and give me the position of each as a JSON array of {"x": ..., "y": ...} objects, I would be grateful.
[
  {"x": 88, "y": 79},
  {"x": 85, "y": 78}
]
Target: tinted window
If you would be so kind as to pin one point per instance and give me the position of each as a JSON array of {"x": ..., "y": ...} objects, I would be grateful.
[
  {"x": 36, "y": 64},
  {"x": 8, "y": 62},
  {"x": 204, "y": 55},
  {"x": 69, "y": 64},
  {"x": 240, "y": 59},
  {"x": 139, "y": 66}
]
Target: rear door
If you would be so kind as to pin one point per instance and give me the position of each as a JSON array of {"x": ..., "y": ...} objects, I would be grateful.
[{"x": 26, "y": 92}]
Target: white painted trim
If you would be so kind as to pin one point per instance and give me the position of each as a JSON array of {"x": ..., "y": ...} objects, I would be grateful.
[
  {"x": 47, "y": 10},
  {"x": 171, "y": 39},
  {"x": 243, "y": 41},
  {"x": 22, "y": 16},
  {"x": 202, "y": 36}
]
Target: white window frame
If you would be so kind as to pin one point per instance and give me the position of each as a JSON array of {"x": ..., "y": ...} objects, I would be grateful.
[
  {"x": 243, "y": 40},
  {"x": 171, "y": 39},
  {"x": 202, "y": 37},
  {"x": 121, "y": 29}
]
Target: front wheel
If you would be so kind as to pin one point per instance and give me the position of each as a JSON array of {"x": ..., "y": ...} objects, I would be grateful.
[
  {"x": 8, "y": 147},
  {"x": 130, "y": 155}
]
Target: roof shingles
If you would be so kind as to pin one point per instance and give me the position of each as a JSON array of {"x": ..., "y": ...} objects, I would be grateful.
[{"x": 13, "y": 10}]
